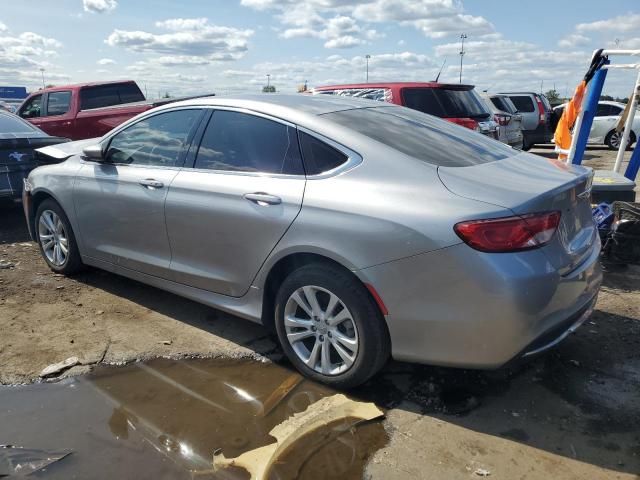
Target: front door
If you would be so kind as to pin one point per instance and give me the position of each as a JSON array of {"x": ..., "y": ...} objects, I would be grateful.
[
  {"x": 227, "y": 214},
  {"x": 120, "y": 202}
]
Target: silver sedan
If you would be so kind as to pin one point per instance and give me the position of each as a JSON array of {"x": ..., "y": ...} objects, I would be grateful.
[{"x": 356, "y": 230}]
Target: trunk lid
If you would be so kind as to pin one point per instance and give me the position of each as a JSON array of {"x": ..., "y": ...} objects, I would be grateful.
[{"x": 527, "y": 183}]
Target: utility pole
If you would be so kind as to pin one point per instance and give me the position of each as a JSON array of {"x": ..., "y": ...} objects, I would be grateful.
[
  {"x": 462, "y": 52},
  {"x": 367, "y": 57},
  {"x": 42, "y": 71},
  {"x": 268, "y": 80}
]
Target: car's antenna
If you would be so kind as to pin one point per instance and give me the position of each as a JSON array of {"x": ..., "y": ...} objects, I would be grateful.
[{"x": 438, "y": 77}]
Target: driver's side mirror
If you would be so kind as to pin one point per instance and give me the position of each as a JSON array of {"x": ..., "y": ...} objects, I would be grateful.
[{"x": 94, "y": 153}]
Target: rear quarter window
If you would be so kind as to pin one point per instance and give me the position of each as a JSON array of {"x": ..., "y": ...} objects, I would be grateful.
[
  {"x": 423, "y": 137},
  {"x": 523, "y": 103}
]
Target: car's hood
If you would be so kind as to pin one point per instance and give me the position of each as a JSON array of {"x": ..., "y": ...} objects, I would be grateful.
[{"x": 65, "y": 150}]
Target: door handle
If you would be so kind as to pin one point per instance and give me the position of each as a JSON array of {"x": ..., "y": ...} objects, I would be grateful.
[
  {"x": 151, "y": 183},
  {"x": 263, "y": 199}
]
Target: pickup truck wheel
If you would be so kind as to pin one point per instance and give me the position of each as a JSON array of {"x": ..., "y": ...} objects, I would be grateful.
[
  {"x": 329, "y": 326},
  {"x": 613, "y": 139},
  {"x": 56, "y": 239}
]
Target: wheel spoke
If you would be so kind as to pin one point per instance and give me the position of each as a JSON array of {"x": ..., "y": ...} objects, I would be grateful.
[
  {"x": 310, "y": 295},
  {"x": 296, "y": 297},
  {"x": 48, "y": 245},
  {"x": 49, "y": 221},
  {"x": 331, "y": 306},
  {"x": 292, "y": 321},
  {"x": 339, "y": 318},
  {"x": 325, "y": 361},
  {"x": 59, "y": 227},
  {"x": 63, "y": 248},
  {"x": 297, "y": 336},
  {"x": 346, "y": 357},
  {"x": 350, "y": 343},
  {"x": 313, "y": 356}
]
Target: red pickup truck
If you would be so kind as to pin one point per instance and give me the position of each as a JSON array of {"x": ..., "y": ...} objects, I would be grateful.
[{"x": 85, "y": 110}]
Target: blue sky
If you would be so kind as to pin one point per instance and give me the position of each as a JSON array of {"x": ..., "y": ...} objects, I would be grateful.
[{"x": 227, "y": 46}]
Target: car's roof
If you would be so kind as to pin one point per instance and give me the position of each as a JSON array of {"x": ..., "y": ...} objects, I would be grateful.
[
  {"x": 457, "y": 86},
  {"x": 286, "y": 106},
  {"x": 76, "y": 86},
  {"x": 600, "y": 102}
]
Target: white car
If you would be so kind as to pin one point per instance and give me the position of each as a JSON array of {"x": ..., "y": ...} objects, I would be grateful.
[{"x": 603, "y": 130}]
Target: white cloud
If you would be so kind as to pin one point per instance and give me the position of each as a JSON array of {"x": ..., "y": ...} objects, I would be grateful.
[
  {"x": 339, "y": 22},
  {"x": 622, "y": 24},
  {"x": 190, "y": 41},
  {"x": 99, "y": 6},
  {"x": 106, "y": 61},
  {"x": 3, "y": 27},
  {"x": 573, "y": 40}
]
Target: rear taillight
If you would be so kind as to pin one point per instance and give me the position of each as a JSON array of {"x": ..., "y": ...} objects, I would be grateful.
[
  {"x": 542, "y": 117},
  {"x": 509, "y": 234},
  {"x": 465, "y": 122}
]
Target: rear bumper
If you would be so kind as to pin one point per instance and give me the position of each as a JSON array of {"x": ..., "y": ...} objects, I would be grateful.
[{"x": 462, "y": 308}]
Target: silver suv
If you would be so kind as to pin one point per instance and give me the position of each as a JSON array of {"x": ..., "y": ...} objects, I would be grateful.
[{"x": 508, "y": 119}]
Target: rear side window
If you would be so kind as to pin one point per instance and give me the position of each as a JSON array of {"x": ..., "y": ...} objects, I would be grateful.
[
  {"x": 522, "y": 103},
  {"x": 500, "y": 104},
  {"x": 58, "y": 103},
  {"x": 318, "y": 156},
  {"x": 424, "y": 137},
  {"x": 241, "y": 142},
  {"x": 446, "y": 102},
  {"x": 109, "y": 95}
]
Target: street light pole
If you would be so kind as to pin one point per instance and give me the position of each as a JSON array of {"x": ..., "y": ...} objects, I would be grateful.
[
  {"x": 42, "y": 71},
  {"x": 367, "y": 57},
  {"x": 462, "y": 37},
  {"x": 268, "y": 80}
]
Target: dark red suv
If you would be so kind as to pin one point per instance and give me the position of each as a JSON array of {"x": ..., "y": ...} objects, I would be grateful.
[{"x": 454, "y": 102}]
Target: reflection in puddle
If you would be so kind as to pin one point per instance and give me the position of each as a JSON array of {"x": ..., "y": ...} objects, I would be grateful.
[{"x": 166, "y": 418}]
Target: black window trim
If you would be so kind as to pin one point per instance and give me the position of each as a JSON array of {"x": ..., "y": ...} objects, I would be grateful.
[{"x": 106, "y": 140}]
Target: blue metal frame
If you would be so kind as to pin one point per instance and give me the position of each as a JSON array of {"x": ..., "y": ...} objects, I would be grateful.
[
  {"x": 590, "y": 106},
  {"x": 634, "y": 163}
]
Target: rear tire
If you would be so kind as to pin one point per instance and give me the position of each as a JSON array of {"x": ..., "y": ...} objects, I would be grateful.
[
  {"x": 356, "y": 347},
  {"x": 56, "y": 239},
  {"x": 612, "y": 140},
  {"x": 526, "y": 146}
]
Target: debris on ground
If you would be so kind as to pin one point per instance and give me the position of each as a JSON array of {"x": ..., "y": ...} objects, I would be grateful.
[
  {"x": 59, "y": 367},
  {"x": 23, "y": 461},
  {"x": 258, "y": 462},
  {"x": 4, "y": 264},
  {"x": 481, "y": 472},
  {"x": 167, "y": 342}
]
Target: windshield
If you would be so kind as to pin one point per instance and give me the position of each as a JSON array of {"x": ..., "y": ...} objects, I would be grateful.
[
  {"x": 424, "y": 137},
  {"x": 13, "y": 124},
  {"x": 446, "y": 102}
]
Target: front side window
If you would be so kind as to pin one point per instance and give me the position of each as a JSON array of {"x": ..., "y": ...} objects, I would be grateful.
[
  {"x": 157, "y": 140},
  {"x": 58, "y": 103},
  {"x": 241, "y": 142},
  {"x": 32, "y": 108}
]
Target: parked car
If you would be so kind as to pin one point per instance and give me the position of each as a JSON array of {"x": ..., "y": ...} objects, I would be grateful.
[
  {"x": 603, "y": 130},
  {"x": 85, "y": 110},
  {"x": 456, "y": 103},
  {"x": 536, "y": 117},
  {"x": 509, "y": 120},
  {"x": 18, "y": 139},
  {"x": 353, "y": 228}
]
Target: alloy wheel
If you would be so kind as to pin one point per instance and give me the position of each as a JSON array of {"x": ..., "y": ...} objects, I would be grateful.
[
  {"x": 321, "y": 330},
  {"x": 616, "y": 138},
  {"x": 53, "y": 238}
]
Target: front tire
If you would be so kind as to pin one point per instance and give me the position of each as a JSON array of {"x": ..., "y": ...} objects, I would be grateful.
[
  {"x": 613, "y": 139},
  {"x": 56, "y": 239},
  {"x": 329, "y": 326}
]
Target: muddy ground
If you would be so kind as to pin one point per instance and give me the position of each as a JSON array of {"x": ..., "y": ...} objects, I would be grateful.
[{"x": 575, "y": 413}]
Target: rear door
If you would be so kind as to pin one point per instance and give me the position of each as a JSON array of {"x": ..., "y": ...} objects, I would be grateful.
[
  {"x": 225, "y": 215},
  {"x": 527, "y": 108},
  {"x": 119, "y": 203}
]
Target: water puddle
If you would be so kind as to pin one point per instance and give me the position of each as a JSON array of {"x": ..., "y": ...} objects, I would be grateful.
[{"x": 165, "y": 419}]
